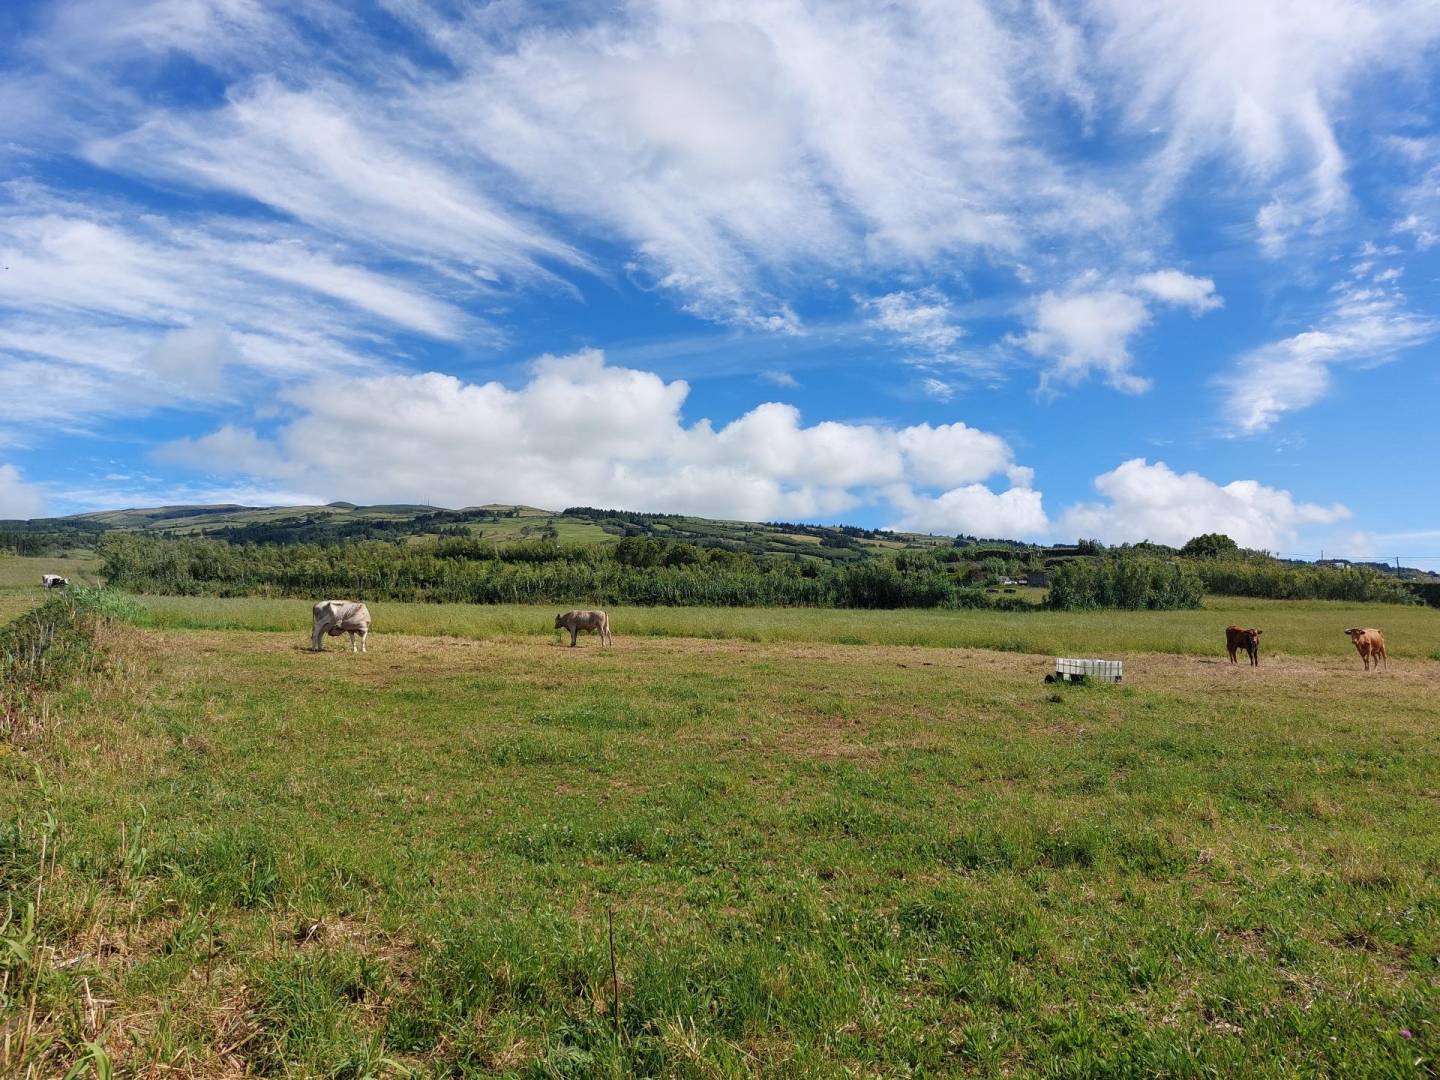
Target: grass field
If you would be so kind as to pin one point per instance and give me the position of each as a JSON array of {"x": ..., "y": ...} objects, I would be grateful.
[
  {"x": 821, "y": 859},
  {"x": 1304, "y": 628},
  {"x": 20, "y": 578}
]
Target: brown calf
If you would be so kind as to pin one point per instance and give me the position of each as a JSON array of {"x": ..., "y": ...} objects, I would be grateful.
[{"x": 1237, "y": 638}]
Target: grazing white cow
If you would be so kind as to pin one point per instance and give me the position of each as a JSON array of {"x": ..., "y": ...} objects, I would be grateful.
[
  {"x": 336, "y": 617},
  {"x": 53, "y": 581},
  {"x": 575, "y": 621}
]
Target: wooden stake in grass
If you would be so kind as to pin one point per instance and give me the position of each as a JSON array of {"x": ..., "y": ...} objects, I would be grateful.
[{"x": 614, "y": 972}]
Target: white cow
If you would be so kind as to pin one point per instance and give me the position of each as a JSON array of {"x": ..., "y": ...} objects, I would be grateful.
[
  {"x": 336, "y": 617},
  {"x": 53, "y": 581},
  {"x": 575, "y": 621}
]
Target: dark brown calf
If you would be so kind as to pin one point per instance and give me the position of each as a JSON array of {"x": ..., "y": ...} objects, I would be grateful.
[{"x": 1237, "y": 638}]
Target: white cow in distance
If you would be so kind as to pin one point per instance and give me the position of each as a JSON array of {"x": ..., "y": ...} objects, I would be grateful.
[
  {"x": 336, "y": 617},
  {"x": 53, "y": 581}
]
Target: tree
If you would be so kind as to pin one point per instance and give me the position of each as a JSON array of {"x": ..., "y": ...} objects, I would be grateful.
[{"x": 1209, "y": 546}]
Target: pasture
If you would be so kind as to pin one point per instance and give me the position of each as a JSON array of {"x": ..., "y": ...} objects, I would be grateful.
[
  {"x": 1293, "y": 627},
  {"x": 901, "y": 857}
]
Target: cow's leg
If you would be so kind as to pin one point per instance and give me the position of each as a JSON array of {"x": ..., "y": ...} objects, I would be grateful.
[
  {"x": 574, "y": 633},
  {"x": 1233, "y": 651},
  {"x": 365, "y": 633},
  {"x": 317, "y": 643}
]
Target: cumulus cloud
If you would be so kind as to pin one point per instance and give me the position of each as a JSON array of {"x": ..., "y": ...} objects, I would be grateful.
[
  {"x": 1177, "y": 287},
  {"x": 975, "y": 510},
  {"x": 1086, "y": 332},
  {"x": 17, "y": 498},
  {"x": 582, "y": 431},
  {"x": 1366, "y": 324},
  {"x": 1145, "y": 501},
  {"x": 1088, "y": 328}
]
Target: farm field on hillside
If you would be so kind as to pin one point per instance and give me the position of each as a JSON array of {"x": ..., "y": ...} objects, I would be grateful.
[
  {"x": 20, "y": 578},
  {"x": 1310, "y": 628},
  {"x": 821, "y": 860}
]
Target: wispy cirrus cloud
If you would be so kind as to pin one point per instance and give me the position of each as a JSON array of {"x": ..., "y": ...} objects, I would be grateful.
[
  {"x": 1261, "y": 86},
  {"x": 1366, "y": 323}
]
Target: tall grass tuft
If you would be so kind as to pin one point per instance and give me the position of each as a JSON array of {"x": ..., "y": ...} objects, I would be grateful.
[{"x": 55, "y": 642}]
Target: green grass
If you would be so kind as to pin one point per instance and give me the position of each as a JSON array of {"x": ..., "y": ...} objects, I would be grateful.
[
  {"x": 821, "y": 860},
  {"x": 23, "y": 571},
  {"x": 1307, "y": 628}
]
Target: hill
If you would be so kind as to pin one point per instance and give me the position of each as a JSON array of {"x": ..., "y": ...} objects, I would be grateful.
[{"x": 500, "y": 523}]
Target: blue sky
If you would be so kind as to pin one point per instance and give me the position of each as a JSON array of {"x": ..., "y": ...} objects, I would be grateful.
[{"x": 1020, "y": 268}]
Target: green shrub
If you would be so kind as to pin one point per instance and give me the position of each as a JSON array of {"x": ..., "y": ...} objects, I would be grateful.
[{"x": 1130, "y": 583}]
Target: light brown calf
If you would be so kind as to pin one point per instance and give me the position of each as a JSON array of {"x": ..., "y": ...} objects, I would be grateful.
[{"x": 1370, "y": 644}]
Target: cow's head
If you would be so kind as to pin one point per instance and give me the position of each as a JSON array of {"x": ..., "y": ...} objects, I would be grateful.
[
  {"x": 1253, "y": 636},
  {"x": 1355, "y": 631},
  {"x": 559, "y": 621}
]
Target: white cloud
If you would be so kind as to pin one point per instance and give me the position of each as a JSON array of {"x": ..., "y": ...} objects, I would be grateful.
[
  {"x": 938, "y": 389},
  {"x": 1145, "y": 501},
  {"x": 582, "y": 431},
  {"x": 1177, "y": 287},
  {"x": 1088, "y": 332},
  {"x": 923, "y": 319},
  {"x": 975, "y": 510},
  {"x": 17, "y": 498},
  {"x": 332, "y": 161},
  {"x": 1088, "y": 328},
  {"x": 1365, "y": 325},
  {"x": 780, "y": 378},
  {"x": 195, "y": 357}
]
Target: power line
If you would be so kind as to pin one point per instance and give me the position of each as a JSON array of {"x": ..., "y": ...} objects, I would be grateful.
[{"x": 1351, "y": 558}]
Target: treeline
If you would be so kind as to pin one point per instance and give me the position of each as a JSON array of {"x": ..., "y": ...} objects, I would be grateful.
[
  {"x": 338, "y": 529},
  {"x": 639, "y": 570},
  {"x": 1275, "y": 580},
  {"x": 47, "y": 536},
  {"x": 1139, "y": 582}
]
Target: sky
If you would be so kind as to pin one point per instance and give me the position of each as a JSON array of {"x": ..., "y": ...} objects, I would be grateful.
[{"x": 1016, "y": 268}]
